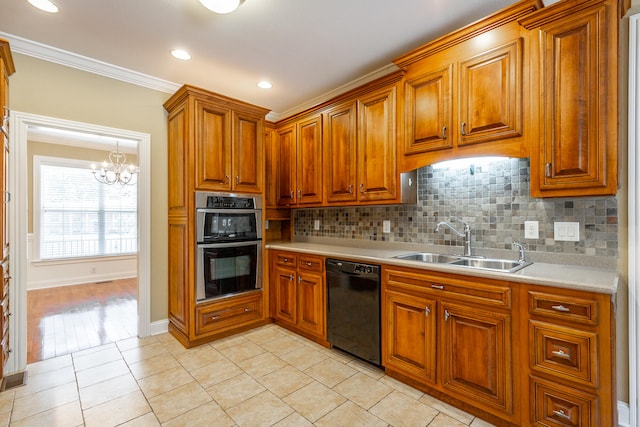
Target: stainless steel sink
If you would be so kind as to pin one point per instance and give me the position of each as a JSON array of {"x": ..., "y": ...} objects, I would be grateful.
[
  {"x": 506, "y": 265},
  {"x": 503, "y": 265},
  {"x": 429, "y": 257}
]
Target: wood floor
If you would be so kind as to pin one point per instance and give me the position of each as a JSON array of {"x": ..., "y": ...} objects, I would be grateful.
[{"x": 66, "y": 319}]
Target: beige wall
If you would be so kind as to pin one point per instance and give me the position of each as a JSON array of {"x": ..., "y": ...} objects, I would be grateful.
[
  {"x": 44, "y": 88},
  {"x": 65, "y": 152}
]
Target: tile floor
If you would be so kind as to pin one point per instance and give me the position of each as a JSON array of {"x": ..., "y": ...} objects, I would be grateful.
[{"x": 264, "y": 377}]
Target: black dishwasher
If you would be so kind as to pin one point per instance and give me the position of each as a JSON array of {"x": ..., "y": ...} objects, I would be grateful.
[{"x": 353, "y": 308}]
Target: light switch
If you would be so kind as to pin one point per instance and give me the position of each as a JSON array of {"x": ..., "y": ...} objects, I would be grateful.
[
  {"x": 531, "y": 230},
  {"x": 566, "y": 231},
  {"x": 386, "y": 226}
]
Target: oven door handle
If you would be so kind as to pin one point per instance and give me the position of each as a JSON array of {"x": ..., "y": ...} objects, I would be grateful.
[
  {"x": 228, "y": 244},
  {"x": 228, "y": 211}
]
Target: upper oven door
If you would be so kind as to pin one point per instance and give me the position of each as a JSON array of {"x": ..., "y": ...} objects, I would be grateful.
[{"x": 228, "y": 225}]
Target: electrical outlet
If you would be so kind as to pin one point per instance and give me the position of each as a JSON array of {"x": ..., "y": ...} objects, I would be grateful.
[
  {"x": 566, "y": 231},
  {"x": 316, "y": 224},
  {"x": 531, "y": 230},
  {"x": 386, "y": 226}
]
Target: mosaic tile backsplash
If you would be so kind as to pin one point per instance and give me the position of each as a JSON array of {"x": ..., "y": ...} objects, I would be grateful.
[{"x": 493, "y": 197}]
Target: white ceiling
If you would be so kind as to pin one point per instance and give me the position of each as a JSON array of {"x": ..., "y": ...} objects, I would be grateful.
[{"x": 308, "y": 49}]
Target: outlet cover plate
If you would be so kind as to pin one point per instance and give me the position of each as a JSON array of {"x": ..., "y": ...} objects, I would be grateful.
[
  {"x": 316, "y": 224},
  {"x": 566, "y": 231},
  {"x": 531, "y": 230},
  {"x": 386, "y": 226}
]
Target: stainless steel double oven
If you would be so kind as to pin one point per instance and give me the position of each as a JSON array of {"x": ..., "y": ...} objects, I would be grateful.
[{"x": 229, "y": 244}]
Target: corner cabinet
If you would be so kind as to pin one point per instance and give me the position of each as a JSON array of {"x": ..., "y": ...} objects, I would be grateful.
[
  {"x": 6, "y": 69},
  {"x": 215, "y": 143},
  {"x": 574, "y": 68}
]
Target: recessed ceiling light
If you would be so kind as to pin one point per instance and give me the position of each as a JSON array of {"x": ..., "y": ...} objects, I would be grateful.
[
  {"x": 181, "y": 54},
  {"x": 265, "y": 85},
  {"x": 45, "y": 5},
  {"x": 221, "y": 6}
]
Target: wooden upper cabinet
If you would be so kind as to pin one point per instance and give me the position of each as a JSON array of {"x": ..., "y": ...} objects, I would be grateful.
[
  {"x": 213, "y": 146},
  {"x": 299, "y": 162},
  {"x": 286, "y": 165},
  {"x": 428, "y": 111},
  {"x": 180, "y": 163},
  {"x": 467, "y": 101},
  {"x": 575, "y": 69},
  {"x": 248, "y": 152},
  {"x": 219, "y": 140},
  {"x": 340, "y": 153},
  {"x": 270, "y": 166},
  {"x": 491, "y": 95},
  {"x": 309, "y": 161},
  {"x": 376, "y": 165}
]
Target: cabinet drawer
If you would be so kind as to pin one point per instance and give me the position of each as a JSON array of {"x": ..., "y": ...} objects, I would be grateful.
[
  {"x": 563, "y": 307},
  {"x": 558, "y": 406},
  {"x": 232, "y": 313},
  {"x": 468, "y": 289},
  {"x": 564, "y": 352},
  {"x": 311, "y": 263},
  {"x": 286, "y": 259}
]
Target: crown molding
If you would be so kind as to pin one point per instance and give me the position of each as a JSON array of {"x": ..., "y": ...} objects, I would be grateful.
[
  {"x": 84, "y": 63},
  {"x": 90, "y": 65}
]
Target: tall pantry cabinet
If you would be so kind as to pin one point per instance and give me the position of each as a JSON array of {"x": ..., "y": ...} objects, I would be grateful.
[
  {"x": 6, "y": 69},
  {"x": 215, "y": 144}
]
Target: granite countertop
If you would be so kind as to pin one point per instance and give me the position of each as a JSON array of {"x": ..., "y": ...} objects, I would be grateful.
[{"x": 577, "y": 277}]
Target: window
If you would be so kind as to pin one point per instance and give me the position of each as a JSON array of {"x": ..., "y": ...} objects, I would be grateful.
[{"x": 76, "y": 216}]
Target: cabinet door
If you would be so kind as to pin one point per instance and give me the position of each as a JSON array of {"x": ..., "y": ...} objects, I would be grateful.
[
  {"x": 409, "y": 336},
  {"x": 286, "y": 165},
  {"x": 179, "y": 159},
  {"x": 311, "y": 303},
  {"x": 285, "y": 294},
  {"x": 270, "y": 164},
  {"x": 248, "y": 153},
  {"x": 309, "y": 158},
  {"x": 213, "y": 147},
  {"x": 476, "y": 355},
  {"x": 340, "y": 153},
  {"x": 179, "y": 274},
  {"x": 578, "y": 111},
  {"x": 491, "y": 95},
  {"x": 428, "y": 111},
  {"x": 377, "y": 146}
]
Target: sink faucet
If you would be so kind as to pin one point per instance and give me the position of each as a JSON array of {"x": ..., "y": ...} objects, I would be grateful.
[
  {"x": 466, "y": 234},
  {"x": 521, "y": 259}
]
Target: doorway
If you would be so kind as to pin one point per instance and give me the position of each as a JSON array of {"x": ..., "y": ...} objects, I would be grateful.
[{"x": 21, "y": 126}]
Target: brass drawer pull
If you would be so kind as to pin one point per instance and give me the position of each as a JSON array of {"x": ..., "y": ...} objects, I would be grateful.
[
  {"x": 444, "y": 132},
  {"x": 561, "y": 414},
  {"x": 214, "y": 317},
  {"x": 560, "y": 308},
  {"x": 246, "y": 309},
  {"x": 440, "y": 287},
  {"x": 427, "y": 311},
  {"x": 561, "y": 353}
]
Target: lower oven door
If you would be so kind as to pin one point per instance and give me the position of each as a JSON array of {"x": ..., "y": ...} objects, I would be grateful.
[{"x": 228, "y": 268}]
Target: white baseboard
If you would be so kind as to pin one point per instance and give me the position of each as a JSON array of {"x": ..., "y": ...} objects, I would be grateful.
[
  {"x": 624, "y": 419},
  {"x": 159, "y": 327},
  {"x": 79, "y": 280}
]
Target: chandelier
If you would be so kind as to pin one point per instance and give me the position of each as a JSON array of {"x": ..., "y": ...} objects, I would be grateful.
[{"x": 116, "y": 170}]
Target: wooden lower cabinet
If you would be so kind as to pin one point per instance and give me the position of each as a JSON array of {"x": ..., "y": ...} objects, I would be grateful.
[
  {"x": 476, "y": 354},
  {"x": 451, "y": 336},
  {"x": 410, "y": 340},
  {"x": 571, "y": 349},
  {"x": 299, "y": 294},
  {"x": 513, "y": 354}
]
